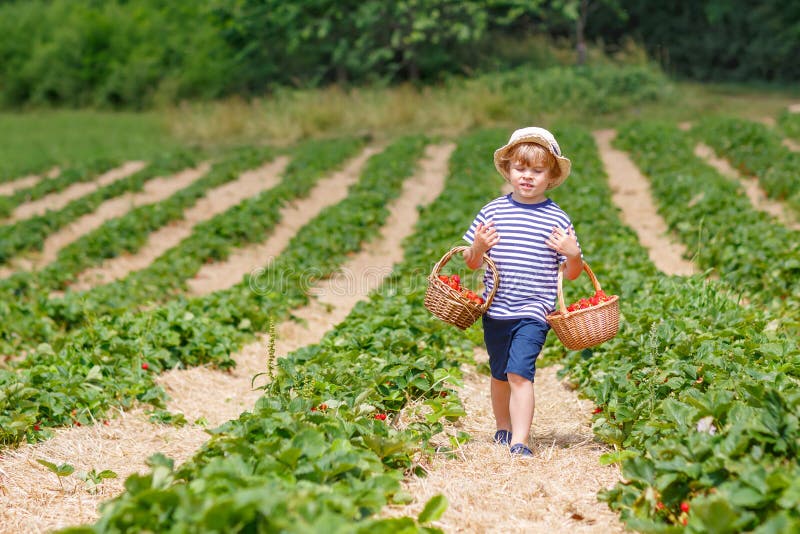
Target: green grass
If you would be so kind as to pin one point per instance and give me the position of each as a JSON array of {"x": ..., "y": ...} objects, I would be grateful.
[{"x": 36, "y": 141}]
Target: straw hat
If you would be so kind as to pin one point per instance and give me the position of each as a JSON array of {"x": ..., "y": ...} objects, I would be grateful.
[{"x": 540, "y": 136}]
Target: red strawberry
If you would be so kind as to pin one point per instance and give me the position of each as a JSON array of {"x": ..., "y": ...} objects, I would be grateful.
[
  {"x": 37, "y": 428},
  {"x": 145, "y": 366},
  {"x": 685, "y": 507},
  {"x": 323, "y": 407},
  {"x": 380, "y": 416}
]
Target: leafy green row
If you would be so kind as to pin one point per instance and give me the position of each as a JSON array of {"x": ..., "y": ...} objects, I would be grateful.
[
  {"x": 758, "y": 150},
  {"x": 99, "y": 366},
  {"x": 38, "y": 319},
  {"x": 31, "y": 233},
  {"x": 130, "y": 231},
  {"x": 67, "y": 177},
  {"x": 789, "y": 122},
  {"x": 756, "y": 256},
  {"x": 698, "y": 395},
  {"x": 317, "y": 451}
]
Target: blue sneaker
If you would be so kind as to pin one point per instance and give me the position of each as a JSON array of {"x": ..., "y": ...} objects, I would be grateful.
[
  {"x": 502, "y": 437},
  {"x": 520, "y": 449}
]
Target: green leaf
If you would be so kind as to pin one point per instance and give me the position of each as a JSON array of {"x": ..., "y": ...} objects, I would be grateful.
[
  {"x": 433, "y": 510},
  {"x": 617, "y": 456},
  {"x": 63, "y": 470}
]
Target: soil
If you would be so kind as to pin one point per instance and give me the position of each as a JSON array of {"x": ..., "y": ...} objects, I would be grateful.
[
  {"x": 154, "y": 190},
  {"x": 758, "y": 198},
  {"x": 58, "y": 200},
  {"x": 221, "y": 275},
  {"x": 11, "y": 187},
  {"x": 213, "y": 203},
  {"x": 631, "y": 193}
]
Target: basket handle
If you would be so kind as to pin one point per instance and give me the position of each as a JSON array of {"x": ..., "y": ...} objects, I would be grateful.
[
  {"x": 561, "y": 305},
  {"x": 449, "y": 254}
]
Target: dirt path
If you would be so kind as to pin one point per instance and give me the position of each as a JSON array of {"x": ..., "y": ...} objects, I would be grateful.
[
  {"x": 490, "y": 491},
  {"x": 58, "y": 200},
  {"x": 9, "y": 188},
  {"x": 327, "y": 192},
  {"x": 154, "y": 190},
  {"x": 632, "y": 194},
  {"x": 758, "y": 198},
  {"x": 31, "y": 499},
  {"x": 215, "y": 201},
  {"x": 556, "y": 491}
]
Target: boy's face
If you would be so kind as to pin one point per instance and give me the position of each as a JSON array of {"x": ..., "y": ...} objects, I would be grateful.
[{"x": 529, "y": 180}]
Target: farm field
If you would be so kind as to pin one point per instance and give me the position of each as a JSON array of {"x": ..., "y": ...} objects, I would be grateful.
[{"x": 207, "y": 340}]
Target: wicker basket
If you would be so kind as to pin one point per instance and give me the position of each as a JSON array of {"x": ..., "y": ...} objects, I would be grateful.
[
  {"x": 588, "y": 327},
  {"x": 448, "y": 304}
]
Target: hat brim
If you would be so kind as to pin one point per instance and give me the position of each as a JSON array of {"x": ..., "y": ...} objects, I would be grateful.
[{"x": 563, "y": 163}]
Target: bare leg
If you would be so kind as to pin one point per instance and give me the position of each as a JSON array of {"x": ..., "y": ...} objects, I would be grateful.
[
  {"x": 521, "y": 407},
  {"x": 501, "y": 395}
]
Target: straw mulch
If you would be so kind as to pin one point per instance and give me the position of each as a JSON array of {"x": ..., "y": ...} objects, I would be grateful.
[
  {"x": 489, "y": 490},
  {"x": 33, "y": 500}
]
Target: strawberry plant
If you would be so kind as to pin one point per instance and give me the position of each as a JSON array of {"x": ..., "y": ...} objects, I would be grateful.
[
  {"x": 29, "y": 234},
  {"x": 755, "y": 149},
  {"x": 700, "y": 405},
  {"x": 760, "y": 258},
  {"x": 79, "y": 173}
]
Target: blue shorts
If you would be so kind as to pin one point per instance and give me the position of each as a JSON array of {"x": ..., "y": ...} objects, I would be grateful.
[{"x": 513, "y": 345}]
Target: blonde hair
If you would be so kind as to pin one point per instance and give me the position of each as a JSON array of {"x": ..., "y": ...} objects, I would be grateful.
[{"x": 531, "y": 155}]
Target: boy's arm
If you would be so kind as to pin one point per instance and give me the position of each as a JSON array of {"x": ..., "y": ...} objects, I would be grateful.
[
  {"x": 485, "y": 238},
  {"x": 574, "y": 267}
]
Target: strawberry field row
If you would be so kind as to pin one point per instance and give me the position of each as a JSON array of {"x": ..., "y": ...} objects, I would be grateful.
[
  {"x": 697, "y": 395},
  {"x": 789, "y": 122},
  {"x": 98, "y": 366},
  {"x": 757, "y": 150},
  {"x": 81, "y": 173},
  {"x": 716, "y": 221},
  {"x": 127, "y": 233},
  {"x": 29, "y": 234},
  {"x": 38, "y": 319},
  {"x": 322, "y": 449}
]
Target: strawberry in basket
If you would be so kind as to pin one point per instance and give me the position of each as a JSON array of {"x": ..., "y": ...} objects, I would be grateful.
[
  {"x": 598, "y": 298},
  {"x": 454, "y": 281}
]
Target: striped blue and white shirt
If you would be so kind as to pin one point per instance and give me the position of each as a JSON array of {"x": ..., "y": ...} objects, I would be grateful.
[{"x": 528, "y": 268}]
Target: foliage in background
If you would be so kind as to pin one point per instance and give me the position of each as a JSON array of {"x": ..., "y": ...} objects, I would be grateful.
[
  {"x": 508, "y": 98},
  {"x": 138, "y": 54},
  {"x": 722, "y": 40}
]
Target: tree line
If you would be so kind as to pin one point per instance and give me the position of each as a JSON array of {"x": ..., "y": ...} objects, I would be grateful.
[{"x": 133, "y": 54}]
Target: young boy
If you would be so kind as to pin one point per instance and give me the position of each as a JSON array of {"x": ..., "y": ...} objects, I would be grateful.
[{"x": 527, "y": 236}]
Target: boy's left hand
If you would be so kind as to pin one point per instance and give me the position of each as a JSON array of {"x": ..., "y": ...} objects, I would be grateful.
[{"x": 564, "y": 242}]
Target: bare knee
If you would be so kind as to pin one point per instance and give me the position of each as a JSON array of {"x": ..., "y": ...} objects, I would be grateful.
[{"x": 515, "y": 380}]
